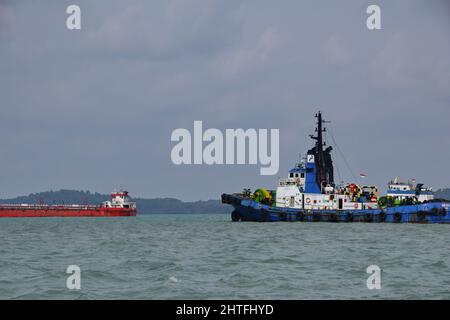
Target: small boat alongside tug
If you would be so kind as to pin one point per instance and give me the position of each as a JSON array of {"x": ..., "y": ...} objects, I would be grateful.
[{"x": 309, "y": 194}]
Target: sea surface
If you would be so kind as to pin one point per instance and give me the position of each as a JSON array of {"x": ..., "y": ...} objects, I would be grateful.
[{"x": 210, "y": 257}]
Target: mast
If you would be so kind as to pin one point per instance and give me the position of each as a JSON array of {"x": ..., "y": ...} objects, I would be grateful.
[
  {"x": 323, "y": 159},
  {"x": 319, "y": 143}
]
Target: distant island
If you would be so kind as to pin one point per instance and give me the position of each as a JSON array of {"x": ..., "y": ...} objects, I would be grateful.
[
  {"x": 442, "y": 193},
  {"x": 145, "y": 206}
]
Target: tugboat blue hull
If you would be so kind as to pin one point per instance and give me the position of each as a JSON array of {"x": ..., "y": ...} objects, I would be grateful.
[{"x": 246, "y": 209}]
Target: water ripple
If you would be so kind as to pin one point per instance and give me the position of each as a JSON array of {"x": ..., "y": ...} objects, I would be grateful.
[{"x": 208, "y": 257}]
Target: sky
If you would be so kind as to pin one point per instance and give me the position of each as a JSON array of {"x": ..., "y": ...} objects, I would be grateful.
[{"x": 94, "y": 109}]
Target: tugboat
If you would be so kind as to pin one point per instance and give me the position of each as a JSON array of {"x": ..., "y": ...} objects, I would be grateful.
[{"x": 310, "y": 194}]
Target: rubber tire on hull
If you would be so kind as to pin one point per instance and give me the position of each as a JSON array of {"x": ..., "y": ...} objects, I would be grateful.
[
  {"x": 397, "y": 217},
  {"x": 349, "y": 217},
  {"x": 264, "y": 215},
  {"x": 421, "y": 216},
  {"x": 282, "y": 216},
  {"x": 333, "y": 217},
  {"x": 301, "y": 216},
  {"x": 236, "y": 216}
]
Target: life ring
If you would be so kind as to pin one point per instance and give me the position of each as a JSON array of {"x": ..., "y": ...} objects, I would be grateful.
[
  {"x": 356, "y": 206},
  {"x": 308, "y": 200}
]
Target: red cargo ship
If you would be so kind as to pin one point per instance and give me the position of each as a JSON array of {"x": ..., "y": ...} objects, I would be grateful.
[{"x": 119, "y": 206}]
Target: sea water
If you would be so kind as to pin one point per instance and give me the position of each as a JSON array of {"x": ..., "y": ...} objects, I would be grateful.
[{"x": 210, "y": 257}]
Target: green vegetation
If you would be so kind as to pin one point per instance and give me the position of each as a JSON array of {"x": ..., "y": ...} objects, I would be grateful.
[{"x": 384, "y": 202}]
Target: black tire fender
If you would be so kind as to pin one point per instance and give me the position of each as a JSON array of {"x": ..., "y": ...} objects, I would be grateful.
[
  {"x": 421, "y": 215},
  {"x": 264, "y": 215},
  {"x": 316, "y": 217},
  {"x": 236, "y": 216},
  {"x": 301, "y": 216},
  {"x": 350, "y": 217}
]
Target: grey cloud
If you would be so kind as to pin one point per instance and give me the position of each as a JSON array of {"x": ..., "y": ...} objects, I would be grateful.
[
  {"x": 336, "y": 51},
  {"x": 167, "y": 30}
]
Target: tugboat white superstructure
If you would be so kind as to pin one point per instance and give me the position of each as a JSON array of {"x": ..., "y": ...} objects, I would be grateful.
[
  {"x": 309, "y": 193},
  {"x": 400, "y": 190}
]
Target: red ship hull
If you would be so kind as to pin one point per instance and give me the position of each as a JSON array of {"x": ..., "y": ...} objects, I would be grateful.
[{"x": 63, "y": 211}]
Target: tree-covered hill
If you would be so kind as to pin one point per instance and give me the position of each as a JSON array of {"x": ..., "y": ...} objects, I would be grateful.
[{"x": 442, "y": 193}]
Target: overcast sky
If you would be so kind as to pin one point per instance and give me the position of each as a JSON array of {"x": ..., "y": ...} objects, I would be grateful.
[{"x": 94, "y": 109}]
